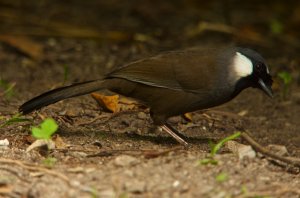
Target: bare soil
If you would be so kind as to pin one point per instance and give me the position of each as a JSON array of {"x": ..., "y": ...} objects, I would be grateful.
[
  {"x": 134, "y": 159},
  {"x": 100, "y": 154}
]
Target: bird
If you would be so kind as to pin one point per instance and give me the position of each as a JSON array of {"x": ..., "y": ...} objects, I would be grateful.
[{"x": 175, "y": 82}]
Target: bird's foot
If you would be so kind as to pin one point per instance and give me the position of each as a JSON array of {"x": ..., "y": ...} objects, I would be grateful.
[{"x": 174, "y": 134}]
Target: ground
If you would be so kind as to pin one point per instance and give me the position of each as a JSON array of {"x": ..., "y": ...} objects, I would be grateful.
[{"x": 134, "y": 160}]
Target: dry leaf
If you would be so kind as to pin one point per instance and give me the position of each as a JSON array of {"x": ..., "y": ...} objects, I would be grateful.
[
  {"x": 59, "y": 143},
  {"x": 249, "y": 33},
  {"x": 116, "y": 103},
  {"x": 188, "y": 116},
  {"x": 129, "y": 104},
  {"x": 109, "y": 103},
  {"x": 24, "y": 44},
  {"x": 5, "y": 189}
]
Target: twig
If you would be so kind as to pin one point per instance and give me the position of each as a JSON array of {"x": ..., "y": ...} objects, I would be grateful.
[
  {"x": 33, "y": 167},
  {"x": 277, "y": 190},
  {"x": 146, "y": 153},
  {"x": 74, "y": 150},
  {"x": 93, "y": 120},
  {"x": 262, "y": 150},
  {"x": 153, "y": 154},
  {"x": 225, "y": 113}
]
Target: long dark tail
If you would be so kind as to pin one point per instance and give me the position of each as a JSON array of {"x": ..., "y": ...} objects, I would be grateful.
[{"x": 61, "y": 93}]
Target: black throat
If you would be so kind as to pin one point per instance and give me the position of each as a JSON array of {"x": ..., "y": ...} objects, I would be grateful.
[{"x": 242, "y": 84}]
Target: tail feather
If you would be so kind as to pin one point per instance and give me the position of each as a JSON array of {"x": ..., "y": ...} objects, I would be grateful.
[{"x": 61, "y": 93}]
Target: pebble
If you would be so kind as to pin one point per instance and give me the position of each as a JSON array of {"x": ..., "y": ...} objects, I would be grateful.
[
  {"x": 176, "y": 183},
  {"x": 4, "y": 144},
  {"x": 135, "y": 186},
  {"x": 107, "y": 193},
  {"x": 241, "y": 150},
  {"x": 125, "y": 160},
  {"x": 141, "y": 115},
  {"x": 78, "y": 154},
  {"x": 278, "y": 149}
]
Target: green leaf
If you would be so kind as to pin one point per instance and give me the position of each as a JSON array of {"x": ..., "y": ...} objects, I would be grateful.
[
  {"x": 276, "y": 27},
  {"x": 286, "y": 77},
  {"x": 15, "y": 119},
  {"x": 8, "y": 88},
  {"x": 46, "y": 129},
  {"x": 207, "y": 161},
  {"x": 218, "y": 146},
  {"x": 222, "y": 177},
  {"x": 49, "y": 161}
]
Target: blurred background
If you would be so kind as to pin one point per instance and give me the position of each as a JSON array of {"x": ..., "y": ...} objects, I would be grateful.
[{"x": 104, "y": 34}]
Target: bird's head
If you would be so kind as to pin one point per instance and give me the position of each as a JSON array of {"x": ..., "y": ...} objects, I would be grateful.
[{"x": 252, "y": 70}]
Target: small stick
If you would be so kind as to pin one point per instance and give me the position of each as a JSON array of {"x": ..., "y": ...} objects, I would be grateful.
[
  {"x": 289, "y": 160},
  {"x": 33, "y": 167}
]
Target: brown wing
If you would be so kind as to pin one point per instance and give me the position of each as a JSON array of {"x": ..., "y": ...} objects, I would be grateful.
[{"x": 180, "y": 70}]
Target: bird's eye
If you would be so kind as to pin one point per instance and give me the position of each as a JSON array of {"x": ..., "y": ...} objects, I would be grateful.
[{"x": 258, "y": 66}]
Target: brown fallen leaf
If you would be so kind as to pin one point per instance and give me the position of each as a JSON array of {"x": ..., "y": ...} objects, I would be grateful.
[
  {"x": 204, "y": 26},
  {"x": 245, "y": 33},
  {"x": 116, "y": 103},
  {"x": 59, "y": 142},
  {"x": 251, "y": 34},
  {"x": 109, "y": 103},
  {"x": 6, "y": 189},
  {"x": 23, "y": 44},
  {"x": 188, "y": 117}
]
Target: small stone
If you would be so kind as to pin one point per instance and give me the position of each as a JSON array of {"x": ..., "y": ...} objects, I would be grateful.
[
  {"x": 243, "y": 113},
  {"x": 107, "y": 193},
  {"x": 220, "y": 194},
  {"x": 241, "y": 150},
  {"x": 4, "y": 144},
  {"x": 125, "y": 160},
  {"x": 128, "y": 173},
  {"x": 141, "y": 115},
  {"x": 135, "y": 186},
  {"x": 78, "y": 154},
  {"x": 176, "y": 183},
  {"x": 278, "y": 149},
  {"x": 246, "y": 151}
]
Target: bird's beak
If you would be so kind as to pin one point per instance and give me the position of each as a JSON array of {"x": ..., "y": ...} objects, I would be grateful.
[{"x": 265, "y": 88}]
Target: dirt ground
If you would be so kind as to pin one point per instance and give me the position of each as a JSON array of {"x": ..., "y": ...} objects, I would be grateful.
[
  {"x": 132, "y": 161},
  {"x": 100, "y": 154}
]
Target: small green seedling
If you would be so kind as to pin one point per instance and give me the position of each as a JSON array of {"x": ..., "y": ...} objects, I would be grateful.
[
  {"x": 219, "y": 145},
  {"x": 216, "y": 147},
  {"x": 222, "y": 177},
  {"x": 8, "y": 88},
  {"x": 123, "y": 195},
  {"x": 49, "y": 161},
  {"x": 45, "y": 130},
  {"x": 286, "y": 78},
  {"x": 94, "y": 192},
  {"x": 244, "y": 190},
  {"x": 207, "y": 161},
  {"x": 15, "y": 119},
  {"x": 276, "y": 27}
]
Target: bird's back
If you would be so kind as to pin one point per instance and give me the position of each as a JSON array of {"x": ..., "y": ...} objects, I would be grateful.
[{"x": 176, "y": 82}]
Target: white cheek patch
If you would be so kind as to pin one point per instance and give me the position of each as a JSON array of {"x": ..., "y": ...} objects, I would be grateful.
[
  {"x": 242, "y": 65},
  {"x": 268, "y": 71}
]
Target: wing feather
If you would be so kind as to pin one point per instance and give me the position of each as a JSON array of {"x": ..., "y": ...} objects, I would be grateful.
[{"x": 179, "y": 70}]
